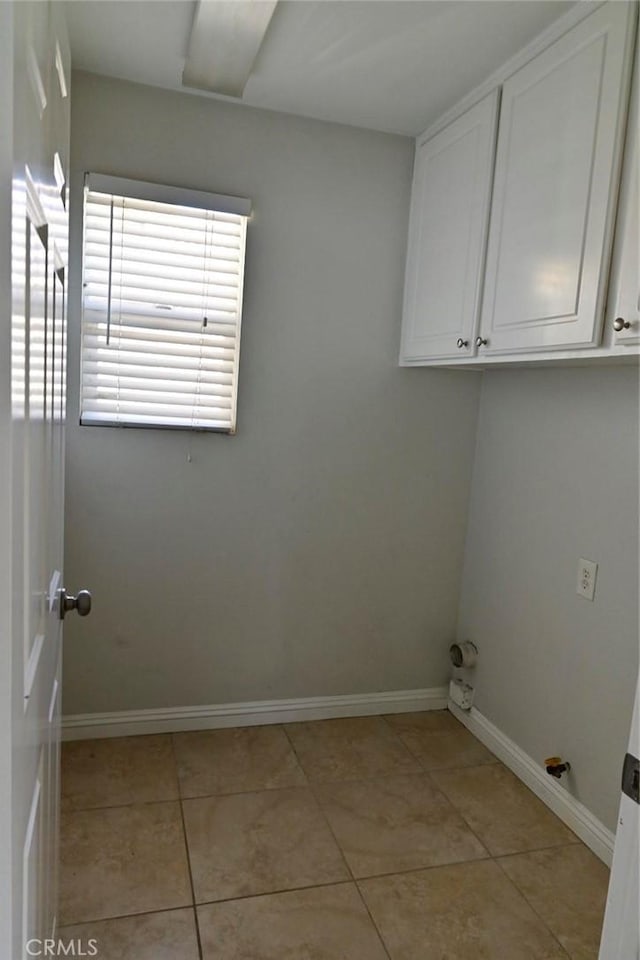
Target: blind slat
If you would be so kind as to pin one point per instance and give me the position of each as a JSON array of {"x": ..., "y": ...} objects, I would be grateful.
[
  {"x": 138, "y": 275},
  {"x": 202, "y": 411},
  {"x": 166, "y": 254},
  {"x": 153, "y": 295},
  {"x": 163, "y": 352},
  {"x": 99, "y": 418},
  {"x": 137, "y": 315},
  {"x": 125, "y": 228},
  {"x": 184, "y": 327},
  {"x": 134, "y": 329},
  {"x": 97, "y": 369},
  {"x": 162, "y": 397},
  {"x": 158, "y": 272},
  {"x": 96, "y": 201},
  {"x": 162, "y": 305},
  {"x": 143, "y": 211}
]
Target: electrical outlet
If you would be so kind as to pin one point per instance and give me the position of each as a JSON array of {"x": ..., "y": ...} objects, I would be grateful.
[{"x": 587, "y": 573}]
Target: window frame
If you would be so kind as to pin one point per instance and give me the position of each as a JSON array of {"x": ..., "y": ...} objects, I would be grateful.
[{"x": 183, "y": 197}]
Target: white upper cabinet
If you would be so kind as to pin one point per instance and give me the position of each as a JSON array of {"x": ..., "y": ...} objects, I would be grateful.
[
  {"x": 555, "y": 190},
  {"x": 510, "y": 245},
  {"x": 447, "y": 236}
]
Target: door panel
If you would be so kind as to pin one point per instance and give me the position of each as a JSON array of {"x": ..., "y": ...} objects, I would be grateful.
[
  {"x": 554, "y": 192},
  {"x": 447, "y": 235},
  {"x": 33, "y": 877},
  {"x": 34, "y": 467},
  {"x": 53, "y": 782}
]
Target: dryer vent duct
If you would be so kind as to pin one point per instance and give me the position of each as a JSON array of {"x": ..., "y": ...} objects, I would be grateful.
[{"x": 463, "y": 654}]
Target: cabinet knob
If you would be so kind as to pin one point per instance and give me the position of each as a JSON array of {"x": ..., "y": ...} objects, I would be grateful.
[
  {"x": 462, "y": 343},
  {"x": 620, "y": 324},
  {"x": 481, "y": 342}
]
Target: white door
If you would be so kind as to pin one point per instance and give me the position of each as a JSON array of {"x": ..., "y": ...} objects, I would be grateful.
[
  {"x": 36, "y": 66},
  {"x": 561, "y": 126},
  {"x": 447, "y": 236},
  {"x": 621, "y": 933}
]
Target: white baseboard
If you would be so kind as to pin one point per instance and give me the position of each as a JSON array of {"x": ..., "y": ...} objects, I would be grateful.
[
  {"x": 574, "y": 814},
  {"x": 89, "y": 726}
]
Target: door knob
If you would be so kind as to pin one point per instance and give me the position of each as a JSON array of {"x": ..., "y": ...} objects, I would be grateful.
[
  {"x": 620, "y": 324},
  {"x": 481, "y": 342},
  {"x": 81, "y": 603},
  {"x": 461, "y": 343}
]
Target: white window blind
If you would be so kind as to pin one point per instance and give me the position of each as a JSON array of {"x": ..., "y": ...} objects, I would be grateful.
[{"x": 162, "y": 305}]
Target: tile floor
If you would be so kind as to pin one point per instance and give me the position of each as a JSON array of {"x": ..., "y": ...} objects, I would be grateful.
[{"x": 396, "y": 838}]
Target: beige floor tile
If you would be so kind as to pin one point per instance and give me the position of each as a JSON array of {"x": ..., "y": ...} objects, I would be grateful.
[
  {"x": 351, "y": 749},
  {"x": 446, "y": 749},
  {"x": 112, "y": 772},
  {"x": 349, "y": 728},
  {"x": 252, "y": 843},
  {"x": 468, "y": 911},
  {"x": 567, "y": 887},
  {"x": 236, "y": 760},
  {"x": 170, "y": 935},
  {"x": 326, "y": 923},
  {"x": 121, "y": 861},
  {"x": 504, "y": 813},
  {"x": 395, "y": 824},
  {"x": 432, "y": 721}
]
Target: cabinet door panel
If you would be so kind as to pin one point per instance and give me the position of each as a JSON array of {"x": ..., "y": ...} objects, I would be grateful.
[
  {"x": 447, "y": 235},
  {"x": 624, "y": 298},
  {"x": 554, "y": 192}
]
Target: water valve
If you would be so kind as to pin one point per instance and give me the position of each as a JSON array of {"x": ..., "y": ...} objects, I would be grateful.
[{"x": 556, "y": 766}]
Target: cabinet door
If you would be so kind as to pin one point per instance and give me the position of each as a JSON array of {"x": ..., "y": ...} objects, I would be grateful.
[
  {"x": 447, "y": 236},
  {"x": 623, "y": 313},
  {"x": 555, "y": 189}
]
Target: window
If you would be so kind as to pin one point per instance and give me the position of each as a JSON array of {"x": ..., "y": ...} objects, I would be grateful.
[{"x": 162, "y": 305}]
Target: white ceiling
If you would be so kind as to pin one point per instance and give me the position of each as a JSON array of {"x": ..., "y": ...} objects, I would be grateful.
[{"x": 393, "y": 65}]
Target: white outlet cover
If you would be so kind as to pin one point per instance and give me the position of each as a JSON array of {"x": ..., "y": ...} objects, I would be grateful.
[{"x": 587, "y": 574}]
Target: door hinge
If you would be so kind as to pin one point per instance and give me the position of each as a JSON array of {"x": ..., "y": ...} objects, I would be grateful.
[{"x": 631, "y": 777}]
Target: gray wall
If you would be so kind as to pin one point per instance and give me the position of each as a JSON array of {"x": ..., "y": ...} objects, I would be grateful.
[
  {"x": 555, "y": 479},
  {"x": 320, "y": 550}
]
